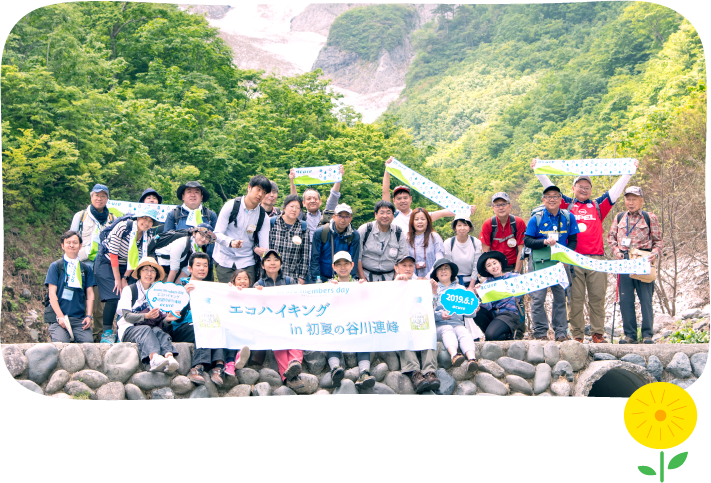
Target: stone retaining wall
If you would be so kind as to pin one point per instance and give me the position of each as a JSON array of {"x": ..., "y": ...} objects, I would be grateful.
[{"x": 518, "y": 368}]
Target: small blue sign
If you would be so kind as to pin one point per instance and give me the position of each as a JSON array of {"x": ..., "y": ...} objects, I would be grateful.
[{"x": 459, "y": 301}]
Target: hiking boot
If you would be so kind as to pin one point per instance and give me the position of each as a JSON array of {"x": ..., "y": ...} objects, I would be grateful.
[
  {"x": 578, "y": 339},
  {"x": 562, "y": 338},
  {"x": 107, "y": 337},
  {"x": 215, "y": 376},
  {"x": 420, "y": 382},
  {"x": 543, "y": 337},
  {"x": 365, "y": 381},
  {"x": 295, "y": 383},
  {"x": 158, "y": 363},
  {"x": 647, "y": 340},
  {"x": 472, "y": 365},
  {"x": 598, "y": 339},
  {"x": 293, "y": 370},
  {"x": 196, "y": 375},
  {"x": 172, "y": 366},
  {"x": 242, "y": 358},
  {"x": 337, "y": 374},
  {"x": 229, "y": 368},
  {"x": 627, "y": 340},
  {"x": 433, "y": 381},
  {"x": 458, "y": 360}
]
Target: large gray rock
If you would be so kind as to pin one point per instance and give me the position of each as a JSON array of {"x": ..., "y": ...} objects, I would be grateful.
[
  {"x": 352, "y": 374},
  {"x": 391, "y": 359},
  {"x": 487, "y": 383},
  {"x": 680, "y": 366},
  {"x": 30, "y": 385},
  {"x": 684, "y": 384},
  {"x": 210, "y": 386},
  {"x": 150, "y": 380},
  {"x": 315, "y": 361},
  {"x": 181, "y": 385},
  {"x": 184, "y": 357},
  {"x": 691, "y": 313},
  {"x": 271, "y": 376},
  {"x": 200, "y": 392},
  {"x": 162, "y": 393},
  {"x": 379, "y": 372},
  {"x": 93, "y": 379},
  {"x": 563, "y": 368},
  {"x": 551, "y": 353},
  {"x": 57, "y": 381},
  {"x": 247, "y": 376},
  {"x": 561, "y": 388},
  {"x": 310, "y": 384},
  {"x": 465, "y": 388},
  {"x": 133, "y": 393},
  {"x": 400, "y": 383},
  {"x": 491, "y": 351},
  {"x": 542, "y": 379},
  {"x": 283, "y": 391},
  {"x": 604, "y": 356},
  {"x": 112, "y": 391},
  {"x": 262, "y": 389},
  {"x": 347, "y": 387},
  {"x": 634, "y": 359},
  {"x": 228, "y": 382},
  {"x": 517, "y": 350},
  {"x": 93, "y": 357},
  {"x": 42, "y": 360},
  {"x": 326, "y": 381},
  {"x": 444, "y": 360},
  {"x": 535, "y": 353},
  {"x": 519, "y": 384},
  {"x": 662, "y": 320},
  {"x": 242, "y": 390},
  {"x": 379, "y": 388},
  {"x": 120, "y": 362},
  {"x": 351, "y": 359},
  {"x": 461, "y": 374},
  {"x": 447, "y": 383},
  {"x": 15, "y": 360},
  {"x": 698, "y": 363},
  {"x": 71, "y": 358},
  {"x": 575, "y": 353},
  {"x": 518, "y": 368},
  {"x": 78, "y": 389},
  {"x": 491, "y": 367},
  {"x": 655, "y": 368}
]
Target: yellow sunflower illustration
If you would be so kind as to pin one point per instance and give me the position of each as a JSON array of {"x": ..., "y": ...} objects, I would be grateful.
[{"x": 660, "y": 416}]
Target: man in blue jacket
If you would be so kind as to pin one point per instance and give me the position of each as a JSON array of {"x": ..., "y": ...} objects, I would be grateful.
[
  {"x": 332, "y": 238},
  {"x": 192, "y": 212}
]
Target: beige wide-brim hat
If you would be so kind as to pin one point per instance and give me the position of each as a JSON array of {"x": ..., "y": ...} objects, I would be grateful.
[{"x": 150, "y": 261}]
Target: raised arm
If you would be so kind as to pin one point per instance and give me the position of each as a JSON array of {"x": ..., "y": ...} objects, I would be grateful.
[
  {"x": 620, "y": 184},
  {"x": 292, "y": 186},
  {"x": 386, "y": 181},
  {"x": 545, "y": 181}
]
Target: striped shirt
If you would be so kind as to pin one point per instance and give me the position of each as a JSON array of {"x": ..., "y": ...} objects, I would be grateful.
[
  {"x": 117, "y": 241},
  {"x": 295, "y": 258}
]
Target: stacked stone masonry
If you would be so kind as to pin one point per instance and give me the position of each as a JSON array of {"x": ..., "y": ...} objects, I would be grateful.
[{"x": 518, "y": 368}]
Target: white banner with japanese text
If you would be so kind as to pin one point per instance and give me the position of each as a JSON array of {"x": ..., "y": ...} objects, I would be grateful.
[{"x": 347, "y": 317}]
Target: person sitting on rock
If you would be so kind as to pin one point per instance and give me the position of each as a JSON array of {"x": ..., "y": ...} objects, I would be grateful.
[
  {"x": 499, "y": 320},
  {"x": 288, "y": 360},
  {"x": 183, "y": 331},
  {"x": 71, "y": 296},
  {"x": 342, "y": 267},
  {"x": 420, "y": 366},
  {"x": 141, "y": 324},
  {"x": 450, "y": 327}
]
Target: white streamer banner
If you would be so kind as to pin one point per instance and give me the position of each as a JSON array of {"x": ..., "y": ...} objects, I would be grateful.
[
  {"x": 347, "y": 317},
  {"x": 428, "y": 189},
  {"x": 523, "y": 284},
  {"x": 588, "y": 167},
  {"x": 318, "y": 175},
  {"x": 120, "y": 208},
  {"x": 568, "y": 256}
]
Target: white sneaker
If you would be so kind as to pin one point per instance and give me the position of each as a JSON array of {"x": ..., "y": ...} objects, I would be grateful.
[
  {"x": 243, "y": 358},
  {"x": 158, "y": 363},
  {"x": 172, "y": 365}
]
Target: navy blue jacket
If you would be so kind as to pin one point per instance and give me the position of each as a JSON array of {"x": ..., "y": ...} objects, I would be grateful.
[{"x": 321, "y": 264}]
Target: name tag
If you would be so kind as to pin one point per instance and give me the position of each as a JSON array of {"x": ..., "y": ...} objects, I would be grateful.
[
  {"x": 67, "y": 294},
  {"x": 626, "y": 242}
]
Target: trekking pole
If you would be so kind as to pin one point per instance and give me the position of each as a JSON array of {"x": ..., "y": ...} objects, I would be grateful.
[{"x": 614, "y": 306}]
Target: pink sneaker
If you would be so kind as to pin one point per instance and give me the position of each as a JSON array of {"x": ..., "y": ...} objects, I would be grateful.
[{"x": 229, "y": 369}]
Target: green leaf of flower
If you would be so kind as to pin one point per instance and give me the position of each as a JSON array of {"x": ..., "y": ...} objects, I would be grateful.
[
  {"x": 677, "y": 461},
  {"x": 646, "y": 470}
]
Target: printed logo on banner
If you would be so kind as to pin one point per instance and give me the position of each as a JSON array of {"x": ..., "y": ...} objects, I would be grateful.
[
  {"x": 209, "y": 321},
  {"x": 459, "y": 301},
  {"x": 168, "y": 297}
]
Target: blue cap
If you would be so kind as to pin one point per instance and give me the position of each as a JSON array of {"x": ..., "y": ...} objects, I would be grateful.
[
  {"x": 205, "y": 225},
  {"x": 150, "y": 212},
  {"x": 98, "y": 188}
]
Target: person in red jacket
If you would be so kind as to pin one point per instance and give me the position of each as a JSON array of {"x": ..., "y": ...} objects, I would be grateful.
[
  {"x": 503, "y": 232},
  {"x": 589, "y": 213}
]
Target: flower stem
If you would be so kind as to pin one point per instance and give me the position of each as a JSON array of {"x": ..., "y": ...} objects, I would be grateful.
[{"x": 661, "y": 466}]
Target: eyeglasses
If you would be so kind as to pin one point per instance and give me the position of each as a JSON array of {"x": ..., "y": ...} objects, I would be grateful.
[
  {"x": 500, "y": 205},
  {"x": 551, "y": 198},
  {"x": 584, "y": 188},
  {"x": 149, "y": 270}
]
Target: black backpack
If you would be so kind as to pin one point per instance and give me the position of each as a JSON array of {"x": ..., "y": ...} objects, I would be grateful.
[
  {"x": 260, "y": 222},
  {"x": 60, "y": 269},
  {"x": 471, "y": 239},
  {"x": 495, "y": 228},
  {"x": 166, "y": 238},
  {"x": 644, "y": 214},
  {"x": 82, "y": 217},
  {"x": 369, "y": 229},
  {"x": 326, "y": 235},
  {"x": 107, "y": 229}
]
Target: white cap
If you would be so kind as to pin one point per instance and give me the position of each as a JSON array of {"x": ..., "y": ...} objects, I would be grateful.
[
  {"x": 342, "y": 255},
  {"x": 343, "y": 207}
]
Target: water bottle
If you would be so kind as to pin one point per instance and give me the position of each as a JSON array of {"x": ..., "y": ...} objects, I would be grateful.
[
  {"x": 318, "y": 279},
  {"x": 418, "y": 317}
]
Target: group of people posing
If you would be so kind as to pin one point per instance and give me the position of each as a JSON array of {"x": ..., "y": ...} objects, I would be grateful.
[{"x": 99, "y": 286}]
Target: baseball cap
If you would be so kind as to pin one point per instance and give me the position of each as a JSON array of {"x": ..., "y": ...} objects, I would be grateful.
[
  {"x": 551, "y": 188},
  {"x": 401, "y": 188},
  {"x": 402, "y": 259},
  {"x": 98, "y": 188},
  {"x": 342, "y": 255},
  {"x": 343, "y": 207},
  {"x": 502, "y": 195},
  {"x": 634, "y": 190},
  {"x": 586, "y": 178},
  {"x": 271, "y": 251}
]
